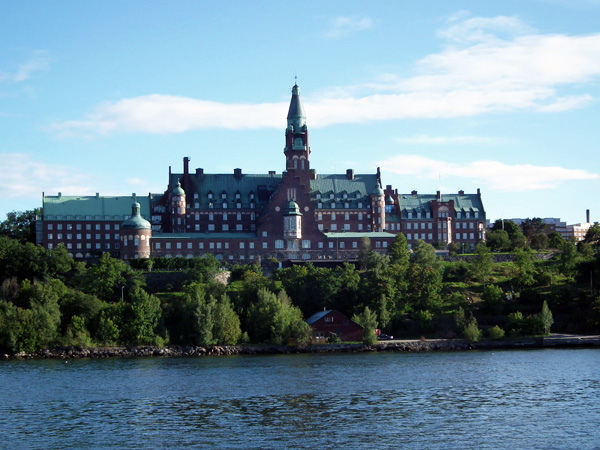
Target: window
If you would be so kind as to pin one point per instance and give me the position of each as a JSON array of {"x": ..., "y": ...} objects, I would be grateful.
[
  {"x": 241, "y": 245},
  {"x": 226, "y": 244},
  {"x": 157, "y": 246},
  {"x": 212, "y": 245},
  {"x": 168, "y": 246},
  {"x": 279, "y": 243},
  {"x": 59, "y": 226},
  {"x": 264, "y": 234},
  {"x": 333, "y": 227},
  {"x": 409, "y": 226},
  {"x": 189, "y": 245},
  {"x": 332, "y": 205},
  {"x": 264, "y": 245},
  {"x": 377, "y": 244},
  {"x": 319, "y": 216},
  {"x": 50, "y": 236},
  {"x": 97, "y": 227},
  {"x": 251, "y": 244},
  {"x": 50, "y": 226},
  {"x": 197, "y": 227},
  {"x": 211, "y": 227},
  {"x": 78, "y": 237},
  {"x": 342, "y": 244},
  {"x": 320, "y": 226},
  {"x": 224, "y": 216},
  {"x": 430, "y": 236},
  {"x": 98, "y": 237},
  {"x": 332, "y": 216},
  {"x": 354, "y": 244},
  {"x": 409, "y": 236},
  {"x": 347, "y": 227},
  {"x": 201, "y": 245},
  {"x": 306, "y": 244},
  {"x": 330, "y": 244},
  {"x": 320, "y": 245},
  {"x": 384, "y": 244},
  {"x": 238, "y": 227},
  {"x": 116, "y": 236},
  {"x": 346, "y": 216},
  {"x": 69, "y": 226},
  {"x": 225, "y": 227},
  {"x": 88, "y": 226},
  {"x": 360, "y": 227},
  {"x": 218, "y": 245},
  {"x": 107, "y": 236}
]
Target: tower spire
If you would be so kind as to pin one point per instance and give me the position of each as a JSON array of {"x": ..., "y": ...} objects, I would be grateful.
[{"x": 296, "y": 149}]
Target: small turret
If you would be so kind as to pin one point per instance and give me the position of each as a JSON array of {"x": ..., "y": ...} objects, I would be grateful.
[{"x": 136, "y": 233}]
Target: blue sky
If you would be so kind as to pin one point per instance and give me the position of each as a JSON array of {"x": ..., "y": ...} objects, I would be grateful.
[{"x": 104, "y": 96}]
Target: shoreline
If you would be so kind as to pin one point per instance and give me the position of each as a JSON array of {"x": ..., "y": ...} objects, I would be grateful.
[{"x": 411, "y": 346}]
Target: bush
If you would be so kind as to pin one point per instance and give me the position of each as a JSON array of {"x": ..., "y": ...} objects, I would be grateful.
[
  {"x": 472, "y": 333},
  {"x": 495, "y": 333}
]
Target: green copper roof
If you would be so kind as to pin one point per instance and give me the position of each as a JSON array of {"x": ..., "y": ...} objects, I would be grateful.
[
  {"x": 136, "y": 221},
  {"x": 292, "y": 209},
  {"x": 422, "y": 203},
  {"x": 340, "y": 184},
  {"x": 296, "y": 115},
  {"x": 92, "y": 207},
  {"x": 178, "y": 190}
]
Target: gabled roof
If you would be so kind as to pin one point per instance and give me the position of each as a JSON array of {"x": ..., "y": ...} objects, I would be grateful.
[{"x": 315, "y": 317}]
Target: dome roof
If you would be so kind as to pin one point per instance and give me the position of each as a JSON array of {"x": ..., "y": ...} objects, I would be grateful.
[
  {"x": 178, "y": 190},
  {"x": 377, "y": 191},
  {"x": 292, "y": 209},
  {"x": 136, "y": 221}
]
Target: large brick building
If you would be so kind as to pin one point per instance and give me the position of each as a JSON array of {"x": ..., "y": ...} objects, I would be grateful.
[{"x": 296, "y": 214}]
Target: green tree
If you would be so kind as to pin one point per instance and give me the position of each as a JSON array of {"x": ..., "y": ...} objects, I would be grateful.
[
  {"x": 424, "y": 288},
  {"x": 481, "y": 265},
  {"x": 424, "y": 255},
  {"x": 398, "y": 252},
  {"x": 20, "y": 225},
  {"x": 226, "y": 328},
  {"x": 568, "y": 259},
  {"x": 493, "y": 299},
  {"x": 555, "y": 240},
  {"x": 141, "y": 317},
  {"x": 368, "y": 320},
  {"x": 471, "y": 332},
  {"x": 546, "y": 318},
  {"x": 498, "y": 240},
  {"x": 524, "y": 270}
]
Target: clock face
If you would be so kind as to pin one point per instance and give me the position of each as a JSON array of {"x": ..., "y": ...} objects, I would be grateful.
[
  {"x": 306, "y": 209},
  {"x": 277, "y": 208}
]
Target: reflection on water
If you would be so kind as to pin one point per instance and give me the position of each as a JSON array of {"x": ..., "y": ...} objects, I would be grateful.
[{"x": 513, "y": 400}]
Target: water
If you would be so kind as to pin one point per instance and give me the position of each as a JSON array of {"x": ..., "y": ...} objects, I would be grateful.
[{"x": 542, "y": 399}]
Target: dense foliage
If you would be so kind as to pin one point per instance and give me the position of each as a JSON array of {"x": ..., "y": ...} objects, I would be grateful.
[{"x": 48, "y": 299}]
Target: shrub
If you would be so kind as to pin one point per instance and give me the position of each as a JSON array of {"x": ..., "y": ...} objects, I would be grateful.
[
  {"x": 472, "y": 333},
  {"x": 495, "y": 333}
]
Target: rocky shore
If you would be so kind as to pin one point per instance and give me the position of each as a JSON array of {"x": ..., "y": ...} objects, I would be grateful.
[{"x": 443, "y": 345}]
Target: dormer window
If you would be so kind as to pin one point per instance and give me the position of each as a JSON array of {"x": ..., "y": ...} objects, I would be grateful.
[
  {"x": 318, "y": 195},
  {"x": 331, "y": 196},
  {"x": 224, "y": 205},
  {"x": 251, "y": 195},
  {"x": 358, "y": 195},
  {"x": 345, "y": 195},
  {"x": 210, "y": 195},
  {"x": 223, "y": 195},
  {"x": 332, "y": 205},
  {"x": 238, "y": 195}
]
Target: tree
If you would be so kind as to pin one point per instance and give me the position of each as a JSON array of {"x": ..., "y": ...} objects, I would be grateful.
[
  {"x": 498, "y": 240},
  {"x": 368, "y": 320},
  {"x": 546, "y": 318},
  {"x": 533, "y": 230},
  {"x": 20, "y": 225},
  {"x": 524, "y": 269},
  {"x": 424, "y": 288},
  {"x": 424, "y": 255},
  {"x": 555, "y": 240},
  {"x": 398, "y": 251},
  {"x": 471, "y": 332},
  {"x": 568, "y": 259},
  {"x": 226, "y": 323},
  {"x": 592, "y": 236},
  {"x": 481, "y": 265},
  {"x": 141, "y": 316}
]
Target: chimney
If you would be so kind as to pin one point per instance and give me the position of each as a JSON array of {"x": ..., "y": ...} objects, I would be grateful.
[
  {"x": 461, "y": 192},
  {"x": 199, "y": 172},
  {"x": 59, "y": 194},
  {"x": 479, "y": 192},
  {"x": 413, "y": 193},
  {"x": 350, "y": 174},
  {"x": 271, "y": 172},
  {"x": 97, "y": 194},
  {"x": 186, "y": 166},
  {"x": 587, "y": 216},
  {"x": 237, "y": 173},
  {"x": 313, "y": 174},
  {"x": 438, "y": 194}
]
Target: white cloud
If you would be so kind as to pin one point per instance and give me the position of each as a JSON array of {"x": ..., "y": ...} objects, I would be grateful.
[
  {"x": 342, "y": 26},
  {"x": 21, "y": 176},
  {"x": 496, "y": 175},
  {"x": 488, "y": 65},
  {"x": 39, "y": 62},
  {"x": 442, "y": 140}
]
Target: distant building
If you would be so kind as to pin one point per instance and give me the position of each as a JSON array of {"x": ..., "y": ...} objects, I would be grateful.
[
  {"x": 329, "y": 322},
  {"x": 237, "y": 217},
  {"x": 578, "y": 231}
]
